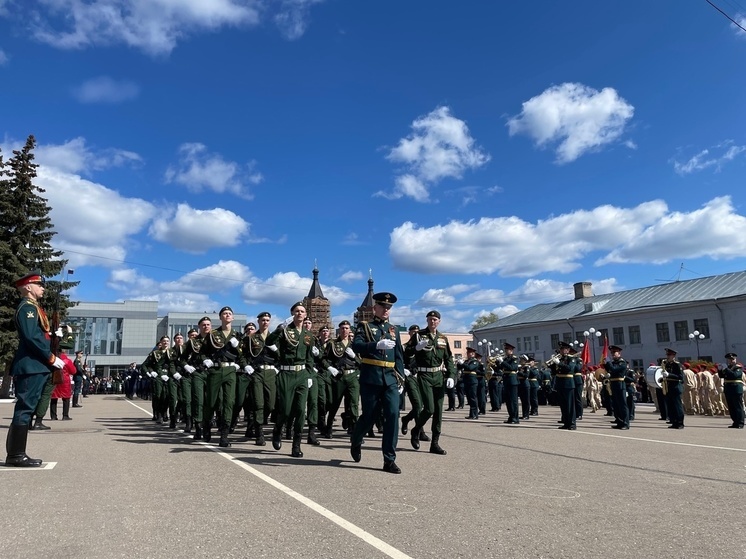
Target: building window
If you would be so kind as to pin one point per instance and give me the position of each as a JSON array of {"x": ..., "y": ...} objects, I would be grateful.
[
  {"x": 604, "y": 336},
  {"x": 518, "y": 344},
  {"x": 554, "y": 341},
  {"x": 527, "y": 343},
  {"x": 702, "y": 326},
  {"x": 457, "y": 344},
  {"x": 502, "y": 342},
  {"x": 707, "y": 358},
  {"x": 634, "y": 335},
  {"x": 618, "y": 335},
  {"x": 661, "y": 331},
  {"x": 567, "y": 337},
  {"x": 637, "y": 365},
  {"x": 536, "y": 343},
  {"x": 681, "y": 330},
  {"x": 98, "y": 336}
]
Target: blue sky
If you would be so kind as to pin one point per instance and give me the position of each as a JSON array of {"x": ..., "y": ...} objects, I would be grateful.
[{"x": 476, "y": 156}]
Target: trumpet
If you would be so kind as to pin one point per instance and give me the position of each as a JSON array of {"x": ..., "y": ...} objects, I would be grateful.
[{"x": 553, "y": 360}]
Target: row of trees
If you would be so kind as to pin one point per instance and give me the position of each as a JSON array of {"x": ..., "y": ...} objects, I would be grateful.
[{"x": 26, "y": 233}]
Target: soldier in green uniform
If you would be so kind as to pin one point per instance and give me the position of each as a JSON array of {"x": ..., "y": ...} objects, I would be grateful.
[
  {"x": 469, "y": 369},
  {"x": 312, "y": 401},
  {"x": 616, "y": 369},
  {"x": 411, "y": 383},
  {"x": 242, "y": 398},
  {"x": 378, "y": 346},
  {"x": 340, "y": 362},
  {"x": 156, "y": 366},
  {"x": 263, "y": 387},
  {"x": 183, "y": 376},
  {"x": 434, "y": 361},
  {"x": 563, "y": 366},
  {"x": 324, "y": 379},
  {"x": 673, "y": 373},
  {"x": 508, "y": 365},
  {"x": 732, "y": 375},
  {"x": 523, "y": 386},
  {"x": 31, "y": 367},
  {"x": 534, "y": 381},
  {"x": 198, "y": 373},
  {"x": 221, "y": 359},
  {"x": 295, "y": 362}
]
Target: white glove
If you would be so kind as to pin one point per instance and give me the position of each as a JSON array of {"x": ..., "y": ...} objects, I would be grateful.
[
  {"x": 177, "y": 376},
  {"x": 422, "y": 344},
  {"x": 208, "y": 363},
  {"x": 164, "y": 378},
  {"x": 664, "y": 372},
  {"x": 310, "y": 383},
  {"x": 287, "y": 322},
  {"x": 189, "y": 369},
  {"x": 407, "y": 372},
  {"x": 385, "y": 344},
  {"x": 315, "y": 351},
  {"x": 401, "y": 390},
  {"x": 350, "y": 353},
  {"x": 58, "y": 332},
  {"x": 139, "y": 376},
  {"x": 234, "y": 342},
  {"x": 235, "y": 366},
  {"x": 334, "y": 371},
  {"x": 459, "y": 361},
  {"x": 450, "y": 383},
  {"x": 273, "y": 347},
  {"x": 58, "y": 363},
  {"x": 248, "y": 369}
]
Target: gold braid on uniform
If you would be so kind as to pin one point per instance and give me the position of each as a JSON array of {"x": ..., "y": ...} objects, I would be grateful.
[
  {"x": 258, "y": 341},
  {"x": 291, "y": 341},
  {"x": 215, "y": 341},
  {"x": 334, "y": 348}
]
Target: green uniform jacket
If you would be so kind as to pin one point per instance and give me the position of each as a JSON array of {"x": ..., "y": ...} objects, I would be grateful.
[
  {"x": 436, "y": 354},
  {"x": 509, "y": 365},
  {"x": 34, "y": 354},
  {"x": 294, "y": 346},
  {"x": 731, "y": 378},
  {"x": 367, "y": 335}
]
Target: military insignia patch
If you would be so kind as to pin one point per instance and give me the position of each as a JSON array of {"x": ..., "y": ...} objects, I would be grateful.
[{"x": 30, "y": 314}]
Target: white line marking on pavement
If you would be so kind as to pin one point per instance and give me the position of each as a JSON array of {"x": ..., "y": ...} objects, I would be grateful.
[
  {"x": 661, "y": 442},
  {"x": 368, "y": 538},
  {"x": 45, "y": 466}
]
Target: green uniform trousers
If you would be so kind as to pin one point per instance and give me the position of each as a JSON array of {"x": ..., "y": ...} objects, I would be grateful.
[
  {"x": 263, "y": 389},
  {"x": 345, "y": 385},
  {"x": 199, "y": 381},
  {"x": 431, "y": 392},
  {"x": 220, "y": 389},
  {"x": 185, "y": 394},
  {"x": 412, "y": 386},
  {"x": 292, "y": 393},
  {"x": 46, "y": 396}
]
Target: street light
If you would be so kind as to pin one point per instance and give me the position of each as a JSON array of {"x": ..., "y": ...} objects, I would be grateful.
[
  {"x": 589, "y": 334},
  {"x": 696, "y": 336},
  {"x": 485, "y": 346}
]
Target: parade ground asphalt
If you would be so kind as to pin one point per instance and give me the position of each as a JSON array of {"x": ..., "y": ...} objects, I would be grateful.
[{"x": 115, "y": 484}]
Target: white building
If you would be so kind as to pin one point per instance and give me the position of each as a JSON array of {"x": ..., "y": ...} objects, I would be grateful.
[{"x": 642, "y": 321}]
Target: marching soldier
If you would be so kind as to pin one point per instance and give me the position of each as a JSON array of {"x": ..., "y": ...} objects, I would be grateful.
[
  {"x": 534, "y": 379},
  {"x": 194, "y": 367},
  {"x": 378, "y": 345},
  {"x": 263, "y": 385},
  {"x": 324, "y": 379},
  {"x": 481, "y": 386},
  {"x": 673, "y": 374},
  {"x": 411, "y": 383},
  {"x": 564, "y": 366},
  {"x": 616, "y": 370},
  {"x": 295, "y": 362},
  {"x": 469, "y": 369},
  {"x": 181, "y": 354},
  {"x": 732, "y": 375},
  {"x": 434, "y": 361},
  {"x": 339, "y": 360},
  {"x": 508, "y": 365},
  {"x": 523, "y": 386},
  {"x": 31, "y": 367},
  {"x": 175, "y": 390},
  {"x": 156, "y": 366},
  {"x": 495, "y": 386},
  {"x": 243, "y": 380}
]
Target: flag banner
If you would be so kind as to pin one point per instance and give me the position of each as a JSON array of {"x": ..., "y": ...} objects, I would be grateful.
[{"x": 605, "y": 352}]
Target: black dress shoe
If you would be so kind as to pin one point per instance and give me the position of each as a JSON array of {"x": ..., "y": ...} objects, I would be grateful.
[
  {"x": 572, "y": 428},
  {"x": 470, "y": 417},
  {"x": 435, "y": 449},
  {"x": 356, "y": 453},
  {"x": 391, "y": 468},
  {"x": 424, "y": 436},
  {"x": 415, "y": 439},
  {"x": 404, "y": 426},
  {"x": 619, "y": 427}
]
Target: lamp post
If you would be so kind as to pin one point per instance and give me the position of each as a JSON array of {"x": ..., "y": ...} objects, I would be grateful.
[
  {"x": 485, "y": 346},
  {"x": 696, "y": 336},
  {"x": 589, "y": 334}
]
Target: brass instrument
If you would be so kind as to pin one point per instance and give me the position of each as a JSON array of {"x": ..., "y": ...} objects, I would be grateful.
[{"x": 553, "y": 360}]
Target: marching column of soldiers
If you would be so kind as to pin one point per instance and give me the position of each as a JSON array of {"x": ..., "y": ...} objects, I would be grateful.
[{"x": 295, "y": 379}]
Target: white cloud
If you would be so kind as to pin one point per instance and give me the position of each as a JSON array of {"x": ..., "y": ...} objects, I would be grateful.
[
  {"x": 352, "y": 239},
  {"x": 739, "y": 31},
  {"x": 440, "y": 147},
  {"x": 285, "y": 288},
  {"x": 198, "y": 170},
  {"x": 4, "y": 58},
  {"x": 153, "y": 26},
  {"x": 580, "y": 118},
  {"x": 651, "y": 233},
  {"x": 715, "y": 231},
  {"x": 351, "y": 276},
  {"x": 75, "y": 157},
  {"x": 723, "y": 153},
  {"x": 220, "y": 277},
  {"x": 197, "y": 231},
  {"x": 443, "y": 296},
  {"x": 293, "y": 17},
  {"x": 104, "y": 89}
]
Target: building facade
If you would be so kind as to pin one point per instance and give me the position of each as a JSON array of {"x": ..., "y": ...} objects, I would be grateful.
[{"x": 701, "y": 319}]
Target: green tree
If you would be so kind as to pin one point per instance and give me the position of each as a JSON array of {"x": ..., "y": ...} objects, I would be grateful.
[
  {"x": 26, "y": 234},
  {"x": 484, "y": 320}
]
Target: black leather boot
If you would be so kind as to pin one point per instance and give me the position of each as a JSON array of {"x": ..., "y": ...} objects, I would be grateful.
[
  {"x": 423, "y": 436},
  {"x": 188, "y": 425},
  {"x": 39, "y": 426},
  {"x": 327, "y": 432},
  {"x": 224, "y": 442},
  {"x": 197, "y": 432},
  {"x": 75, "y": 401},
  {"x": 277, "y": 437},
  {"x": 312, "y": 436},
  {"x": 288, "y": 432},
  {"x": 259, "y": 435},
  {"x": 15, "y": 446},
  {"x": 172, "y": 422},
  {"x": 415, "y": 437},
  {"x": 296, "y": 451},
  {"x": 66, "y": 409},
  {"x": 435, "y": 447},
  {"x": 53, "y": 410},
  {"x": 252, "y": 429},
  {"x": 207, "y": 432}
]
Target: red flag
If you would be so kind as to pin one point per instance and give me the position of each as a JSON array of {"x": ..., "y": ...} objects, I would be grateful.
[
  {"x": 605, "y": 352},
  {"x": 586, "y": 353}
]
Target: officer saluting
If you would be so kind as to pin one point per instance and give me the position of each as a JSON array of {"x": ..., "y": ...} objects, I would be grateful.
[
  {"x": 31, "y": 367},
  {"x": 732, "y": 375},
  {"x": 378, "y": 345}
]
